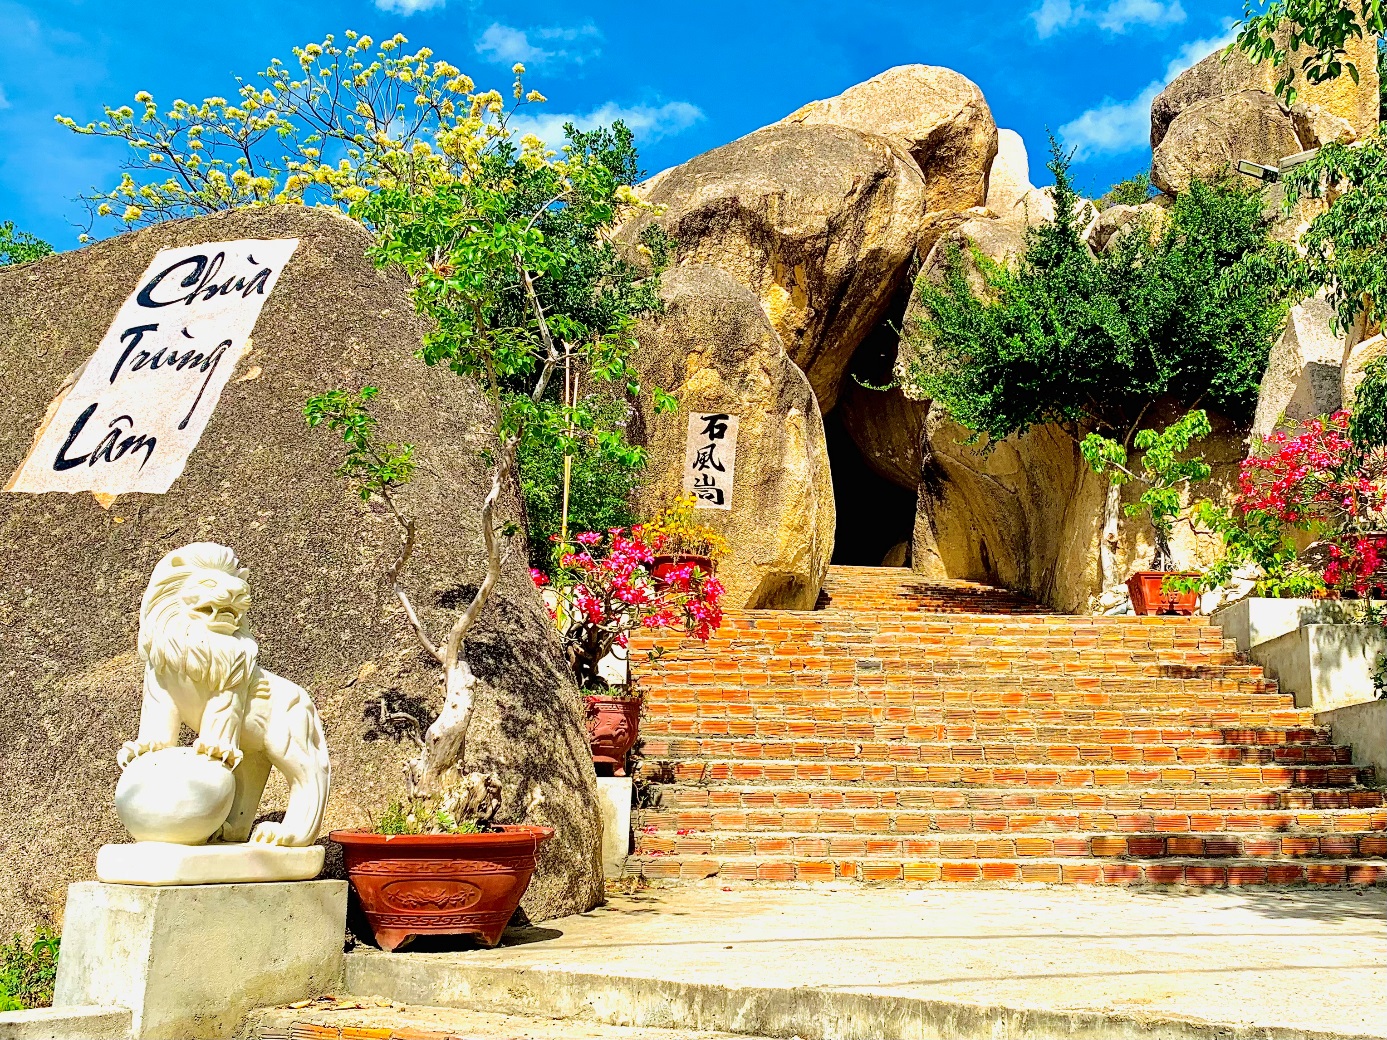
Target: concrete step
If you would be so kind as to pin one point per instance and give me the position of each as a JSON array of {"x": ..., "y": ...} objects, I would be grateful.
[
  {"x": 963, "y": 721},
  {"x": 740, "y": 771},
  {"x": 684, "y": 749},
  {"x": 1121, "y": 804},
  {"x": 988, "y": 824},
  {"x": 382, "y": 1020},
  {"x": 968, "y": 845},
  {"x": 1195, "y": 872}
]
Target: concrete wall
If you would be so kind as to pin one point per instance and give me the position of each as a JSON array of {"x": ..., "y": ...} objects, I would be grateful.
[
  {"x": 1365, "y": 727},
  {"x": 1325, "y": 666},
  {"x": 1258, "y": 619}
]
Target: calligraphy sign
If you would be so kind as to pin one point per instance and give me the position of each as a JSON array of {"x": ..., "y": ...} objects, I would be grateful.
[
  {"x": 135, "y": 411},
  {"x": 709, "y": 459}
]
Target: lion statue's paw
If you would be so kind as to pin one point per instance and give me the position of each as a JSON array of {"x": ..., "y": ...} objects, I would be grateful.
[
  {"x": 271, "y": 833},
  {"x": 227, "y": 756},
  {"x": 133, "y": 749}
]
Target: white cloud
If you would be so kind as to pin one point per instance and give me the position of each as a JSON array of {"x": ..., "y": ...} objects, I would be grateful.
[
  {"x": 504, "y": 43},
  {"x": 648, "y": 122},
  {"x": 1115, "y": 127},
  {"x": 408, "y": 7},
  {"x": 1117, "y": 16}
]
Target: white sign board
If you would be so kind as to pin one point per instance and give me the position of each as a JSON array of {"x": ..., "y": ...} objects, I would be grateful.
[
  {"x": 710, "y": 458},
  {"x": 138, "y": 407}
]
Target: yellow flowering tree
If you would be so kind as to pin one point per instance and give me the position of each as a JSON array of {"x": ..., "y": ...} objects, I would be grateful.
[{"x": 509, "y": 245}]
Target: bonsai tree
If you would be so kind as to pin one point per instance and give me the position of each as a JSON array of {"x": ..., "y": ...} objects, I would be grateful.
[
  {"x": 1090, "y": 343},
  {"x": 1163, "y": 474},
  {"x": 508, "y": 245}
]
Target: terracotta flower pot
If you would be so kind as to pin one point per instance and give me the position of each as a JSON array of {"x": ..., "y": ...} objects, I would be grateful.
[
  {"x": 613, "y": 726},
  {"x": 440, "y": 884},
  {"x": 1149, "y": 595},
  {"x": 665, "y": 563}
]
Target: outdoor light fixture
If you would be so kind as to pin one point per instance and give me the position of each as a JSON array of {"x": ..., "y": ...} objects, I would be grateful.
[{"x": 1270, "y": 174}]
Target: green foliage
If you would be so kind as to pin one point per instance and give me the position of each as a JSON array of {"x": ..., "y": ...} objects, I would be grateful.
[
  {"x": 1255, "y": 539},
  {"x": 1367, "y": 427},
  {"x": 422, "y": 816},
  {"x": 1343, "y": 245},
  {"x": 28, "y": 969},
  {"x": 1064, "y": 336},
  {"x": 19, "y": 247},
  {"x": 1131, "y": 192},
  {"x": 604, "y": 472},
  {"x": 1163, "y": 472},
  {"x": 1320, "y": 30},
  {"x": 374, "y": 468}
]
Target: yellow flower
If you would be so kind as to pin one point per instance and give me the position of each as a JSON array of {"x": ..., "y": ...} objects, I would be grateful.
[{"x": 518, "y": 69}]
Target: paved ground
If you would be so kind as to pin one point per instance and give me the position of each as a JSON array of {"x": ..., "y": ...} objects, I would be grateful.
[{"x": 1313, "y": 963}]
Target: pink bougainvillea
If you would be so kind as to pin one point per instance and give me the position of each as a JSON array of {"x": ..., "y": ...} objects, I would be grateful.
[
  {"x": 1314, "y": 478},
  {"x": 604, "y": 590}
]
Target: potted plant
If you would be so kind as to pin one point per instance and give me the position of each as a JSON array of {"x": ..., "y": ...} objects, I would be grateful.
[
  {"x": 602, "y": 591},
  {"x": 681, "y": 541},
  {"x": 1160, "y": 590}
]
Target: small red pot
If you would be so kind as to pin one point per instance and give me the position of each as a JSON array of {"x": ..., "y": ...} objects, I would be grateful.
[
  {"x": 664, "y": 563},
  {"x": 1149, "y": 595},
  {"x": 613, "y": 726},
  {"x": 440, "y": 884}
]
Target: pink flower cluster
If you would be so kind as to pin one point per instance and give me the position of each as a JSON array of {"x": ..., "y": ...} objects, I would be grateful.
[
  {"x": 1315, "y": 478},
  {"x": 606, "y": 589}
]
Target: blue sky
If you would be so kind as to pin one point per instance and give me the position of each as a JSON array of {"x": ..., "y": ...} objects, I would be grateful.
[{"x": 686, "y": 77}]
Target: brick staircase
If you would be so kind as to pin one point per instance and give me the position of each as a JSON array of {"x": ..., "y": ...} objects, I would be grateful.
[{"x": 928, "y": 731}]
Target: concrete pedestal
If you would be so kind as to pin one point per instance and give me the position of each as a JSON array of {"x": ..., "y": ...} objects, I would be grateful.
[
  {"x": 614, "y": 799},
  {"x": 190, "y": 960},
  {"x": 1325, "y": 666}
]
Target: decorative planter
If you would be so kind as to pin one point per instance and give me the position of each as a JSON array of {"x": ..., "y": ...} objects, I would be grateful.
[
  {"x": 665, "y": 563},
  {"x": 440, "y": 884},
  {"x": 1149, "y": 595},
  {"x": 613, "y": 726}
]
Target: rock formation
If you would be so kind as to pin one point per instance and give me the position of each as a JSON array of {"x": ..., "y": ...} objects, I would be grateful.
[
  {"x": 1208, "y": 139},
  {"x": 1303, "y": 377},
  {"x": 262, "y": 482},
  {"x": 715, "y": 350}
]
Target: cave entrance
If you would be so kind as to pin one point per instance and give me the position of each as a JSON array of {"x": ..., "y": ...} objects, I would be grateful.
[{"x": 874, "y": 453}]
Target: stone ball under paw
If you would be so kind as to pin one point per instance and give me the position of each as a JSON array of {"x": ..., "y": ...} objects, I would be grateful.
[{"x": 174, "y": 795}]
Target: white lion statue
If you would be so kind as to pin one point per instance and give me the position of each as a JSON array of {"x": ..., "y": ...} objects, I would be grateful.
[{"x": 202, "y": 670}]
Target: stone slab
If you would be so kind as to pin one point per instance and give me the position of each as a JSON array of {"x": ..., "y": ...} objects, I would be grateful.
[
  {"x": 854, "y": 963},
  {"x": 1364, "y": 728},
  {"x": 190, "y": 960},
  {"x": 1259, "y": 619},
  {"x": 1325, "y": 666},
  {"x": 70, "y": 1023},
  {"x": 163, "y": 863},
  {"x": 614, "y": 799}
]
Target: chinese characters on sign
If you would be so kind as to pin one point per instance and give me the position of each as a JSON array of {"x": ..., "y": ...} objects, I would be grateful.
[
  {"x": 709, "y": 459},
  {"x": 137, "y": 409}
]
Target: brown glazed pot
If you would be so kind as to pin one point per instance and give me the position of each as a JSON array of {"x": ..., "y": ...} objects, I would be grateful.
[
  {"x": 613, "y": 726},
  {"x": 662, "y": 564},
  {"x": 440, "y": 884},
  {"x": 1150, "y": 597}
]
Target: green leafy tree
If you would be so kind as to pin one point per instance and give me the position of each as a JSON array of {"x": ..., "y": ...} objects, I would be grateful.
[
  {"x": 1091, "y": 342},
  {"x": 1308, "y": 38},
  {"x": 28, "y": 969},
  {"x": 1368, "y": 425},
  {"x": 1164, "y": 474},
  {"x": 1130, "y": 192},
  {"x": 19, "y": 247}
]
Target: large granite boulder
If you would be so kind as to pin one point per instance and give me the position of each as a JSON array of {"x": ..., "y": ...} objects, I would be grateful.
[
  {"x": 1222, "y": 74},
  {"x": 1208, "y": 138},
  {"x": 1303, "y": 377},
  {"x": 939, "y": 116},
  {"x": 714, "y": 349},
  {"x": 1115, "y": 222},
  {"x": 819, "y": 221},
  {"x": 888, "y": 429},
  {"x": 72, "y": 569}
]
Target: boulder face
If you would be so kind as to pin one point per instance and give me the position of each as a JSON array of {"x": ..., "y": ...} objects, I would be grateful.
[
  {"x": 1115, "y": 222},
  {"x": 888, "y": 429},
  {"x": 939, "y": 116},
  {"x": 819, "y": 221},
  {"x": 1303, "y": 377},
  {"x": 261, "y": 482},
  {"x": 1208, "y": 138},
  {"x": 1220, "y": 75},
  {"x": 715, "y": 350}
]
